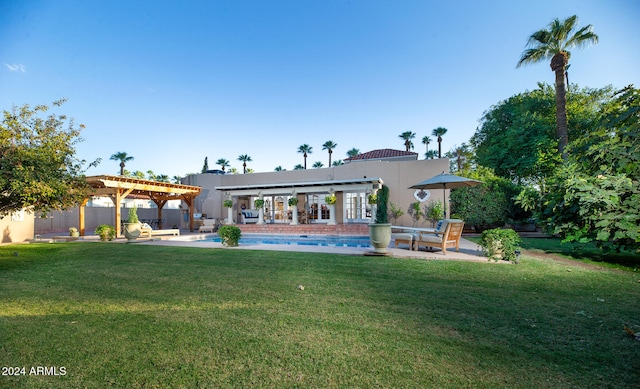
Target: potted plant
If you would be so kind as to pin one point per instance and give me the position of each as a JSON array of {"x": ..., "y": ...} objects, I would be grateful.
[
  {"x": 106, "y": 232},
  {"x": 500, "y": 244},
  {"x": 229, "y": 235},
  {"x": 227, "y": 203},
  {"x": 331, "y": 203},
  {"x": 132, "y": 227},
  {"x": 73, "y": 232},
  {"x": 331, "y": 199},
  {"x": 293, "y": 203},
  {"x": 258, "y": 203},
  {"x": 380, "y": 230}
]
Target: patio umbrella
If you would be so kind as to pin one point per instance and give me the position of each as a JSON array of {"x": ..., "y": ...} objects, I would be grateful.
[{"x": 446, "y": 181}]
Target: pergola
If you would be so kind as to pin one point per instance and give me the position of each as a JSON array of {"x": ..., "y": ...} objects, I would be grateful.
[{"x": 118, "y": 187}]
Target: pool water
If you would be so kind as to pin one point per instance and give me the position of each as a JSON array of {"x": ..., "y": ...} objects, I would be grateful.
[{"x": 305, "y": 240}]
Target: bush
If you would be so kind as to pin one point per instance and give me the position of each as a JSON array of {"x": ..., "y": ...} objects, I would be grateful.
[
  {"x": 500, "y": 244},
  {"x": 382, "y": 216},
  {"x": 133, "y": 215},
  {"x": 106, "y": 232},
  {"x": 230, "y": 235},
  {"x": 434, "y": 211}
]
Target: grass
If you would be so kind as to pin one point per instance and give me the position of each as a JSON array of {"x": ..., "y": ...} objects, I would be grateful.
[{"x": 136, "y": 316}]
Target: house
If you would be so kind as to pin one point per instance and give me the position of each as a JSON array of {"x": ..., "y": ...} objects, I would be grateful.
[{"x": 351, "y": 183}]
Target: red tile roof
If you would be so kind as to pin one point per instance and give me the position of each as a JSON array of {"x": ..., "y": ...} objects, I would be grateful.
[{"x": 384, "y": 154}]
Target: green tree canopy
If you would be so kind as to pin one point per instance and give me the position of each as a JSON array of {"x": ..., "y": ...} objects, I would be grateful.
[
  {"x": 38, "y": 167},
  {"x": 516, "y": 137}
]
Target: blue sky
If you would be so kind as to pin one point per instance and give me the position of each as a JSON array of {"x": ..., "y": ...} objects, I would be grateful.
[{"x": 173, "y": 82}]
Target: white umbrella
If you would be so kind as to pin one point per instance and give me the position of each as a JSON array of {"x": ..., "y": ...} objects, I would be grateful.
[{"x": 446, "y": 181}]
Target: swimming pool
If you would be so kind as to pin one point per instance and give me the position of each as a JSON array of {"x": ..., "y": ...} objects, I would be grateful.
[{"x": 303, "y": 240}]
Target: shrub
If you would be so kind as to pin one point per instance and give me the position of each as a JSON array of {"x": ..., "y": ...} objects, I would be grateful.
[
  {"x": 133, "y": 215},
  {"x": 230, "y": 235},
  {"x": 106, "y": 232},
  {"x": 394, "y": 211},
  {"x": 415, "y": 211},
  {"x": 382, "y": 216},
  {"x": 499, "y": 243},
  {"x": 434, "y": 211}
]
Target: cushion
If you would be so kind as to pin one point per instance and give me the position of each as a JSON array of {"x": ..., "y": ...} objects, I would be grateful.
[
  {"x": 405, "y": 237},
  {"x": 431, "y": 239}
]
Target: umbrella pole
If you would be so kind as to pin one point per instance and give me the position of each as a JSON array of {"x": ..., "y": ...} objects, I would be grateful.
[{"x": 444, "y": 199}]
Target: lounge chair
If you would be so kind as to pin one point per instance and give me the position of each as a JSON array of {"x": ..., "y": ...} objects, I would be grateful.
[
  {"x": 449, "y": 237},
  {"x": 208, "y": 225},
  {"x": 148, "y": 232}
]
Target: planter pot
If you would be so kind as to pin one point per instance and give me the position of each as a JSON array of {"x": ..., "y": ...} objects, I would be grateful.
[
  {"x": 380, "y": 236},
  {"x": 132, "y": 231}
]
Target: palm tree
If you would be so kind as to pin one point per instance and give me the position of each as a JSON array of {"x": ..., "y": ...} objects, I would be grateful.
[
  {"x": 223, "y": 163},
  {"x": 279, "y": 168},
  {"x": 162, "y": 178},
  {"x": 438, "y": 132},
  {"x": 329, "y": 146},
  {"x": 244, "y": 158},
  {"x": 317, "y": 165},
  {"x": 305, "y": 149},
  {"x": 151, "y": 175},
  {"x": 353, "y": 152},
  {"x": 337, "y": 163},
  {"x": 298, "y": 167},
  {"x": 176, "y": 179},
  {"x": 122, "y": 157},
  {"x": 426, "y": 140},
  {"x": 554, "y": 44},
  {"x": 431, "y": 154},
  {"x": 407, "y": 136}
]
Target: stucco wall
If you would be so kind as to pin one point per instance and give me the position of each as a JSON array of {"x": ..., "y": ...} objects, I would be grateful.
[
  {"x": 17, "y": 227},
  {"x": 397, "y": 175}
]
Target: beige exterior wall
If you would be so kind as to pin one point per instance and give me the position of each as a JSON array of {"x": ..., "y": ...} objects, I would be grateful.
[
  {"x": 397, "y": 175},
  {"x": 17, "y": 227}
]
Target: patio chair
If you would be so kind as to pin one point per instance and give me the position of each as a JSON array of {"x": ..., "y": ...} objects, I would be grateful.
[{"x": 449, "y": 237}]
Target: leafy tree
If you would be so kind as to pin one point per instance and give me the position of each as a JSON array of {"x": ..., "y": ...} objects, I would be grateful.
[
  {"x": 434, "y": 211},
  {"x": 353, "y": 152},
  {"x": 596, "y": 195},
  {"x": 38, "y": 168},
  {"x": 123, "y": 158},
  {"x": 395, "y": 212},
  {"x": 554, "y": 43},
  {"x": 459, "y": 158},
  {"x": 516, "y": 137},
  {"x": 223, "y": 163},
  {"x": 317, "y": 165},
  {"x": 205, "y": 167},
  {"x": 244, "y": 158},
  {"x": 305, "y": 150},
  {"x": 329, "y": 146},
  {"x": 415, "y": 212},
  {"x": 407, "y": 136},
  {"x": 426, "y": 140},
  {"x": 438, "y": 133}
]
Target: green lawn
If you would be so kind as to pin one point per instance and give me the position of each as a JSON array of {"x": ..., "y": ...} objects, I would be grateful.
[{"x": 133, "y": 316}]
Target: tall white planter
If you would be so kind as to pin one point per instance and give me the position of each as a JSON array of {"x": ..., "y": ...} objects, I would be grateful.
[
  {"x": 332, "y": 214},
  {"x": 261, "y": 215},
  {"x": 230, "y": 216},
  {"x": 294, "y": 215}
]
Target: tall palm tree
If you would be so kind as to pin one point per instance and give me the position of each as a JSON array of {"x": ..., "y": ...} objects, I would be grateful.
[
  {"x": 407, "y": 136},
  {"x": 426, "y": 140},
  {"x": 353, "y": 152},
  {"x": 223, "y": 163},
  {"x": 122, "y": 157},
  {"x": 305, "y": 149},
  {"x": 329, "y": 146},
  {"x": 554, "y": 43},
  {"x": 244, "y": 158},
  {"x": 431, "y": 154},
  {"x": 438, "y": 132}
]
